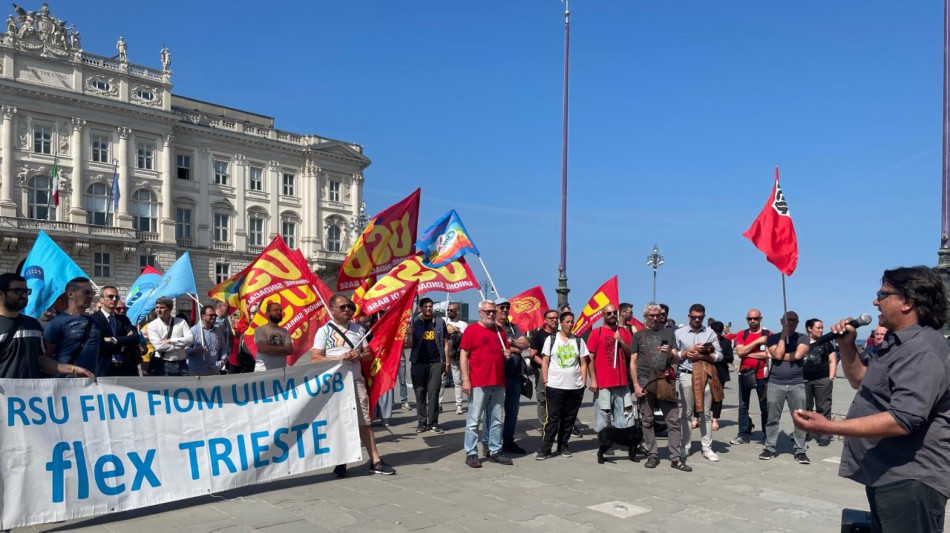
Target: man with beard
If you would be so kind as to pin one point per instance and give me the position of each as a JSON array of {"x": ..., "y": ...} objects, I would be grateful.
[
  {"x": 653, "y": 352},
  {"x": 514, "y": 368},
  {"x": 274, "y": 343},
  {"x": 71, "y": 336},
  {"x": 208, "y": 352},
  {"x": 609, "y": 347},
  {"x": 169, "y": 336},
  {"x": 21, "y": 337}
]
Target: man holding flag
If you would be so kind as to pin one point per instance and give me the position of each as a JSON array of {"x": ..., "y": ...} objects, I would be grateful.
[{"x": 343, "y": 339}]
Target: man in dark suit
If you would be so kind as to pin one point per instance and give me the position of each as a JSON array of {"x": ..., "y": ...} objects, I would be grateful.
[{"x": 119, "y": 341}]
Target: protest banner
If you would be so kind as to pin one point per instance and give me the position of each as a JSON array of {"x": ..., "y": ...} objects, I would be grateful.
[
  {"x": 608, "y": 293},
  {"x": 387, "y": 241},
  {"x": 74, "y": 448},
  {"x": 453, "y": 277}
]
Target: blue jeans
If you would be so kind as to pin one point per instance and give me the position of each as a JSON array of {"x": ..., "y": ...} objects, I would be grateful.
[
  {"x": 611, "y": 403},
  {"x": 512, "y": 402},
  {"x": 745, "y": 395},
  {"x": 403, "y": 392},
  {"x": 484, "y": 399},
  {"x": 385, "y": 405}
]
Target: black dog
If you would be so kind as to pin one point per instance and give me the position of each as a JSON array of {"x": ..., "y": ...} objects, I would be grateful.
[{"x": 631, "y": 436}]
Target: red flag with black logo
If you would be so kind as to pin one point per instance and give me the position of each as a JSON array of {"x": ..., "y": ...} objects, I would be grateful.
[
  {"x": 528, "y": 308},
  {"x": 773, "y": 233},
  {"x": 389, "y": 335}
]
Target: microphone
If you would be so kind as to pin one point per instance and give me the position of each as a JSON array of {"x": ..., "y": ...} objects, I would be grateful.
[{"x": 862, "y": 320}]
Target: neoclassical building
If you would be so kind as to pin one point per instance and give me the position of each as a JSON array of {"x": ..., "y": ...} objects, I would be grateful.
[{"x": 191, "y": 175}]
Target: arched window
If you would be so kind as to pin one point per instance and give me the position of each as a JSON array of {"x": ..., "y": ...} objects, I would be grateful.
[
  {"x": 144, "y": 211},
  {"x": 39, "y": 201},
  {"x": 334, "y": 244},
  {"x": 98, "y": 210}
]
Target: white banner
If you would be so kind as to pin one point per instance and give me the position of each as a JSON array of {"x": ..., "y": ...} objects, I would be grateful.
[{"x": 72, "y": 448}]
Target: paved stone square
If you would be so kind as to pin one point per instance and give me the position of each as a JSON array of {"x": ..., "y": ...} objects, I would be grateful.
[{"x": 435, "y": 491}]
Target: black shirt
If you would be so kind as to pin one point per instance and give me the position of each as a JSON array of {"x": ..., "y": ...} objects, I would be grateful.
[
  {"x": 429, "y": 352},
  {"x": 20, "y": 357},
  {"x": 818, "y": 360}
]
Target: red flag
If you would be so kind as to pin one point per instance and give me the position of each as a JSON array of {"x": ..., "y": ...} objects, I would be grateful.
[
  {"x": 389, "y": 335},
  {"x": 637, "y": 325},
  {"x": 528, "y": 308},
  {"x": 773, "y": 233},
  {"x": 608, "y": 293},
  {"x": 387, "y": 241}
]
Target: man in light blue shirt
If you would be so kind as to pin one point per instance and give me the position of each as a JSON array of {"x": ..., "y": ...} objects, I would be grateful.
[{"x": 691, "y": 342}]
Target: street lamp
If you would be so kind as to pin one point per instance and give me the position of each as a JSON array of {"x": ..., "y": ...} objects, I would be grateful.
[
  {"x": 655, "y": 260},
  {"x": 360, "y": 220}
]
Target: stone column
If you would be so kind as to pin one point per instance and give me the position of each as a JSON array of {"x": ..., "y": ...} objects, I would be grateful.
[
  {"x": 7, "y": 203},
  {"x": 125, "y": 176},
  {"x": 239, "y": 173},
  {"x": 76, "y": 212},
  {"x": 168, "y": 208},
  {"x": 273, "y": 176}
]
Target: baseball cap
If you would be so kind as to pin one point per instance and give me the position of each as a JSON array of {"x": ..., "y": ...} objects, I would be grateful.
[{"x": 500, "y": 301}]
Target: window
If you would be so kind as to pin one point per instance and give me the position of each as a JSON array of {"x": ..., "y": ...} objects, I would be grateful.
[
  {"x": 184, "y": 167},
  {"x": 145, "y": 94},
  {"x": 333, "y": 239},
  {"x": 102, "y": 85},
  {"x": 146, "y": 261},
  {"x": 101, "y": 265},
  {"x": 39, "y": 198},
  {"x": 288, "y": 231},
  {"x": 288, "y": 185},
  {"x": 144, "y": 161},
  {"x": 222, "y": 271},
  {"x": 220, "y": 172},
  {"x": 144, "y": 211},
  {"x": 100, "y": 149},
  {"x": 182, "y": 223},
  {"x": 334, "y": 191},
  {"x": 255, "y": 231},
  {"x": 221, "y": 223},
  {"x": 97, "y": 205},
  {"x": 257, "y": 179},
  {"x": 42, "y": 140}
]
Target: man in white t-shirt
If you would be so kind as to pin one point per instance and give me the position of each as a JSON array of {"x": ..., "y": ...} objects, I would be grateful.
[
  {"x": 564, "y": 374},
  {"x": 341, "y": 338},
  {"x": 456, "y": 327}
]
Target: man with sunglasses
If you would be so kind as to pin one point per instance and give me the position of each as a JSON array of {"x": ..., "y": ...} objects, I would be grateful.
[
  {"x": 118, "y": 339},
  {"x": 21, "y": 337},
  {"x": 692, "y": 342},
  {"x": 341, "y": 340},
  {"x": 514, "y": 369},
  {"x": 786, "y": 384},
  {"x": 753, "y": 375},
  {"x": 538, "y": 338},
  {"x": 898, "y": 425},
  {"x": 609, "y": 347},
  {"x": 72, "y": 337}
]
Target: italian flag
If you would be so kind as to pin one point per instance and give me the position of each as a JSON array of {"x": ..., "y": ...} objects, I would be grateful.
[{"x": 55, "y": 183}]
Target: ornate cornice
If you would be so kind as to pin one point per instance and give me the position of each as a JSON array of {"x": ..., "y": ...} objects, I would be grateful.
[{"x": 7, "y": 111}]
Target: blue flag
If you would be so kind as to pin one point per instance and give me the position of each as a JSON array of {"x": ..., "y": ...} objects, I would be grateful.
[
  {"x": 178, "y": 279},
  {"x": 445, "y": 241},
  {"x": 143, "y": 285},
  {"x": 47, "y": 270},
  {"x": 115, "y": 190}
]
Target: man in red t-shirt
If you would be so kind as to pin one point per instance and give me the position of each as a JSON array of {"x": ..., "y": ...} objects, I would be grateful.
[
  {"x": 609, "y": 347},
  {"x": 750, "y": 347},
  {"x": 483, "y": 352}
]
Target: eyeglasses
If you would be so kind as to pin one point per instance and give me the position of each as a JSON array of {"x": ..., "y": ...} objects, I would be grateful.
[
  {"x": 882, "y": 295},
  {"x": 19, "y": 291},
  {"x": 89, "y": 292},
  {"x": 489, "y": 312},
  {"x": 551, "y": 317},
  {"x": 121, "y": 309},
  {"x": 753, "y": 318},
  {"x": 351, "y": 307},
  {"x": 208, "y": 315},
  {"x": 504, "y": 307},
  {"x": 111, "y": 296},
  {"x": 655, "y": 315},
  {"x": 697, "y": 317},
  {"x": 611, "y": 313}
]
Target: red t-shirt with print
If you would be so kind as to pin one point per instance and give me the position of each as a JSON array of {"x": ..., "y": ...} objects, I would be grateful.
[
  {"x": 746, "y": 337},
  {"x": 601, "y": 346},
  {"x": 486, "y": 360}
]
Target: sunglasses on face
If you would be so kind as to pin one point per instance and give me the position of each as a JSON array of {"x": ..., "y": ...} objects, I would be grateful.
[
  {"x": 20, "y": 291},
  {"x": 351, "y": 307},
  {"x": 697, "y": 317},
  {"x": 610, "y": 313},
  {"x": 110, "y": 296},
  {"x": 881, "y": 295},
  {"x": 750, "y": 318},
  {"x": 489, "y": 312}
]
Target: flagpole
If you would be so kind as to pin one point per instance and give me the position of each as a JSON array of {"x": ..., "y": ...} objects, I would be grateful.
[{"x": 493, "y": 288}]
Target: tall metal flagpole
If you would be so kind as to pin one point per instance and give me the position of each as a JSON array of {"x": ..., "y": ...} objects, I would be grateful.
[
  {"x": 943, "y": 253},
  {"x": 562, "y": 290}
]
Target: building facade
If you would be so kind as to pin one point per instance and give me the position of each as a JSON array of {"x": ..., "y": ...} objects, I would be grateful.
[{"x": 143, "y": 175}]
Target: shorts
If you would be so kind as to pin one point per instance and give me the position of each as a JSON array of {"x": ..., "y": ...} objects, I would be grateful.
[{"x": 362, "y": 399}]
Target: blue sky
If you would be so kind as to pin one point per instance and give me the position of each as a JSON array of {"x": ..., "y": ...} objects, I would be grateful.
[{"x": 679, "y": 113}]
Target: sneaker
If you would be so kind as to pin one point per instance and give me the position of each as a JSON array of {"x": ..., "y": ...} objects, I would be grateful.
[
  {"x": 458, "y": 409},
  {"x": 542, "y": 455},
  {"x": 485, "y": 451},
  {"x": 406, "y": 406},
  {"x": 339, "y": 471},
  {"x": 652, "y": 462},
  {"x": 511, "y": 447},
  {"x": 565, "y": 451},
  {"x": 575, "y": 431},
  {"x": 421, "y": 427},
  {"x": 802, "y": 458},
  {"x": 824, "y": 441},
  {"x": 738, "y": 440},
  {"x": 501, "y": 459},
  {"x": 437, "y": 429},
  {"x": 710, "y": 456},
  {"x": 682, "y": 466},
  {"x": 473, "y": 461},
  {"x": 766, "y": 455},
  {"x": 381, "y": 467},
  {"x": 385, "y": 422}
]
